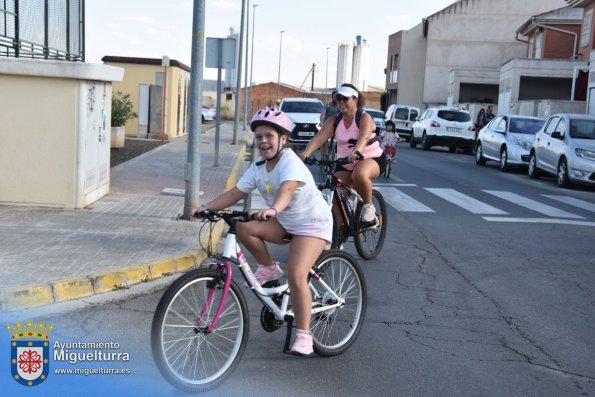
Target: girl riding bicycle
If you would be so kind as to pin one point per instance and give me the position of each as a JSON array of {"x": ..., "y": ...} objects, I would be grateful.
[
  {"x": 367, "y": 161},
  {"x": 297, "y": 214},
  {"x": 389, "y": 140}
]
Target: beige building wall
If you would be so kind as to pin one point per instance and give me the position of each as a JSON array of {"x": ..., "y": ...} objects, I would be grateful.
[
  {"x": 176, "y": 82},
  {"x": 40, "y": 134}
]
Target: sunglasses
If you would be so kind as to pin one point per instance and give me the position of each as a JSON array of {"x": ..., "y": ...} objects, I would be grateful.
[{"x": 341, "y": 98}]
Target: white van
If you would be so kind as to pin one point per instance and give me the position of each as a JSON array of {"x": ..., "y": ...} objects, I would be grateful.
[{"x": 403, "y": 116}]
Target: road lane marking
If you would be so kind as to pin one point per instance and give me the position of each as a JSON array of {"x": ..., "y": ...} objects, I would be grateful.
[
  {"x": 573, "y": 201},
  {"x": 539, "y": 220},
  {"x": 401, "y": 201},
  {"x": 533, "y": 205},
  {"x": 466, "y": 202}
]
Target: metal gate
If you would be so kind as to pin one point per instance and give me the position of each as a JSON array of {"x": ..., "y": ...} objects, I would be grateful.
[{"x": 43, "y": 29}]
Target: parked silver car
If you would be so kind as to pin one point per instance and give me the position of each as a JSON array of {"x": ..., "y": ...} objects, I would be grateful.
[
  {"x": 565, "y": 147},
  {"x": 507, "y": 139}
]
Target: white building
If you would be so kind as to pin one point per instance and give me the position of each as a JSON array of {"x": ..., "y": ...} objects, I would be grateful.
[
  {"x": 353, "y": 63},
  {"x": 455, "y": 54}
]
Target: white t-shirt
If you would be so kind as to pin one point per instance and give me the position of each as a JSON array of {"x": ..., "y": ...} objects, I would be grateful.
[{"x": 307, "y": 213}]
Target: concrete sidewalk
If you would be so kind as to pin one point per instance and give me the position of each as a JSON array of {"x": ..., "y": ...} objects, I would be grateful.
[{"x": 128, "y": 237}]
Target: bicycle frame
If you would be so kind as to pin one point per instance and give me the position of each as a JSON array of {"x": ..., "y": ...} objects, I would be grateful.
[{"x": 232, "y": 252}]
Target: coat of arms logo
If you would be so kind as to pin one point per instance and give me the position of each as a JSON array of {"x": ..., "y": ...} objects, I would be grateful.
[{"x": 29, "y": 352}]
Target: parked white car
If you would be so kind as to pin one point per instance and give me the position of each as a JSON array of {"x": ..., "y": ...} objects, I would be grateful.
[
  {"x": 403, "y": 116},
  {"x": 378, "y": 117},
  {"x": 208, "y": 113},
  {"x": 305, "y": 114},
  {"x": 507, "y": 139},
  {"x": 444, "y": 126},
  {"x": 565, "y": 147}
]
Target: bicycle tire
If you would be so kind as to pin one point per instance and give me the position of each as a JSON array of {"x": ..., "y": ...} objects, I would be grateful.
[
  {"x": 388, "y": 168},
  {"x": 369, "y": 240},
  {"x": 189, "y": 359},
  {"x": 337, "y": 232},
  {"x": 335, "y": 330}
]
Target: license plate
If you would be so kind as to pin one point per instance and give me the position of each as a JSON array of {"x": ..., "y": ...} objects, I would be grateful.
[
  {"x": 453, "y": 129},
  {"x": 400, "y": 124},
  {"x": 305, "y": 133}
]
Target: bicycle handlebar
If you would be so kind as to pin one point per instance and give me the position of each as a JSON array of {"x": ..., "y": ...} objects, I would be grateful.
[
  {"x": 311, "y": 160},
  {"x": 215, "y": 215}
]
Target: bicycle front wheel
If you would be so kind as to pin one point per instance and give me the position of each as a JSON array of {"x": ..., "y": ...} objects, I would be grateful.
[
  {"x": 388, "y": 167},
  {"x": 334, "y": 330},
  {"x": 187, "y": 355},
  {"x": 369, "y": 239}
]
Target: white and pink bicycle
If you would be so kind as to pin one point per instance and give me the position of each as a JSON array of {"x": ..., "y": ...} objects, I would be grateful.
[{"x": 200, "y": 327}]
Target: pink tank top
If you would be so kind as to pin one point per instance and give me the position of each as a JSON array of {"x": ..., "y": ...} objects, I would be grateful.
[{"x": 344, "y": 148}]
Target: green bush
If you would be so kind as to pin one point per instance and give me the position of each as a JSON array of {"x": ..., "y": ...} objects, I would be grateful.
[{"x": 122, "y": 109}]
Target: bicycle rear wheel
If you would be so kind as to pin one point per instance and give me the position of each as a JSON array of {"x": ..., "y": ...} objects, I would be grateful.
[
  {"x": 189, "y": 357},
  {"x": 388, "y": 168},
  {"x": 370, "y": 239},
  {"x": 335, "y": 330}
]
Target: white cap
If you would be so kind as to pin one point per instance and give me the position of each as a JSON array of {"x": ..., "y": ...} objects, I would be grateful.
[{"x": 347, "y": 92}]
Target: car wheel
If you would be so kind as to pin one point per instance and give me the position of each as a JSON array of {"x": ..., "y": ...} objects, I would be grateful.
[
  {"x": 412, "y": 143},
  {"x": 504, "y": 159},
  {"x": 532, "y": 170},
  {"x": 563, "y": 180},
  {"x": 425, "y": 144},
  {"x": 479, "y": 159}
]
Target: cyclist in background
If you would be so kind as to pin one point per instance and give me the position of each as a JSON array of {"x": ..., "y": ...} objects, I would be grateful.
[
  {"x": 389, "y": 140},
  {"x": 297, "y": 213},
  {"x": 367, "y": 161}
]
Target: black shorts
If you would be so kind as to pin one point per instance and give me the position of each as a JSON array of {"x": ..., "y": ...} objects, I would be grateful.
[{"x": 380, "y": 160}]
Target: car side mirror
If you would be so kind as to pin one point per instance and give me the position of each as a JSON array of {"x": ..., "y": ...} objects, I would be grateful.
[{"x": 557, "y": 135}]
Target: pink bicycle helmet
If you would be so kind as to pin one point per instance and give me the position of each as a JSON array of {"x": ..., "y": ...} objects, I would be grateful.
[{"x": 274, "y": 118}]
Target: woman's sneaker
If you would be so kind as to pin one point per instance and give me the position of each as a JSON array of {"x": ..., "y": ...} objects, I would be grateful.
[{"x": 368, "y": 213}]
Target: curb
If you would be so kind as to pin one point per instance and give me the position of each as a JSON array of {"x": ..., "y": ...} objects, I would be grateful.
[{"x": 32, "y": 296}]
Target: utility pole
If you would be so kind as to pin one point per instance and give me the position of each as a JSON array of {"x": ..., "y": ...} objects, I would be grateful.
[
  {"x": 246, "y": 71},
  {"x": 279, "y": 73},
  {"x": 252, "y": 55},
  {"x": 192, "y": 170},
  {"x": 239, "y": 79}
]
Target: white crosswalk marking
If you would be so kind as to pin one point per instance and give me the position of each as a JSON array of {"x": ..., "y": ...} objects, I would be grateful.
[
  {"x": 533, "y": 205},
  {"x": 401, "y": 201},
  {"x": 572, "y": 201},
  {"x": 466, "y": 202}
]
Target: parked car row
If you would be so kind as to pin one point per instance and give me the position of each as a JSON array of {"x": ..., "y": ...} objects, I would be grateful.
[{"x": 563, "y": 146}]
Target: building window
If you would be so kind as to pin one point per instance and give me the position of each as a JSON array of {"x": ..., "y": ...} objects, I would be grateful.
[
  {"x": 394, "y": 68},
  {"x": 586, "y": 33}
]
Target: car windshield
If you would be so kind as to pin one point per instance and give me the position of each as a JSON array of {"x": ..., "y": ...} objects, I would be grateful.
[
  {"x": 454, "y": 115},
  {"x": 401, "y": 113},
  {"x": 582, "y": 129},
  {"x": 525, "y": 126},
  {"x": 302, "y": 107}
]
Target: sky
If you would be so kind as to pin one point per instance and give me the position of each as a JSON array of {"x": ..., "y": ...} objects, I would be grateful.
[{"x": 153, "y": 29}]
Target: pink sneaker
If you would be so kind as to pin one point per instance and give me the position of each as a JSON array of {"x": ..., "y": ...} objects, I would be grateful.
[
  {"x": 302, "y": 345},
  {"x": 268, "y": 273}
]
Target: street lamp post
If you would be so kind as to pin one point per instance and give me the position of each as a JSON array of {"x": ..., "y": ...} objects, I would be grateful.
[
  {"x": 279, "y": 73},
  {"x": 236, "y": 120},
  {"x": 252, "y": 55},
  {"x": 246, "y": 69},
  {"x": 326, "y": 82}
]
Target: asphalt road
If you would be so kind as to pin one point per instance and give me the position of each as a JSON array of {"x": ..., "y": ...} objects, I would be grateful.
[{"x": 485, "y": 286}]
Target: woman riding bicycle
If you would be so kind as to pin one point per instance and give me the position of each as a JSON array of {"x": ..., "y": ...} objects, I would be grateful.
[
  {"x": 367, "y": 160},
  {"x": 297, "y": 214}
]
